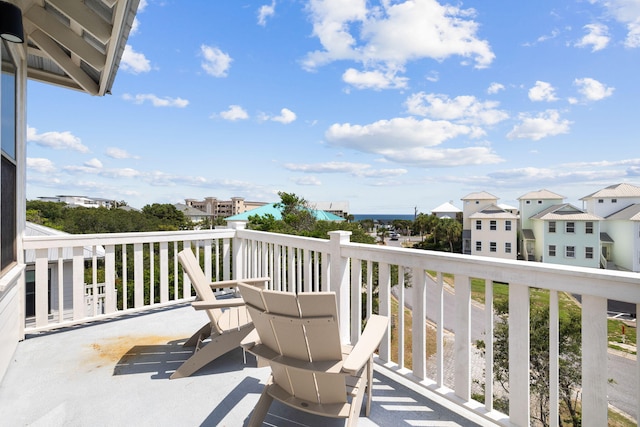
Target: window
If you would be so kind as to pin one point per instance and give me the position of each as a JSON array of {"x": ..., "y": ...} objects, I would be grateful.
[
  {"x": 552, "y": 250},
  {"x": 614, "y": 200},
  {"x": 570, "y": 227},
  {"x": 478, "y": 225},
  {"x": 588, "y": 227},
  {"x": 493, "y": 247},
  {"x": 539, "y": 202},
  {"x": 478, "y": 246},
  {"x": 493, "y": 225},
  {"x": 507, "y": 248},
  {"x": 8, "y": 164},
  {"x": 588, "y": 252},
  {"x": 552, "y": 226},
  {"x": 528, "y": 202},
  {"x": 570, "y": 251},
  {"x": 600, "y": 201},
  {"x": 507, "y": 225}
]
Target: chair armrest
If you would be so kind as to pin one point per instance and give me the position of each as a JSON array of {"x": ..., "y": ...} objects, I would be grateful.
[
  {"x": 367, "y": 344},
  {"x": 219, "y": 303},
  {"x": 257, "y": 281},
  {"x": 251, "y": 340}
]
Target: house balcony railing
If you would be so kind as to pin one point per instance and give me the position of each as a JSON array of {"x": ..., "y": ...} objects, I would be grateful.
[{"x": 140, "y": 271}]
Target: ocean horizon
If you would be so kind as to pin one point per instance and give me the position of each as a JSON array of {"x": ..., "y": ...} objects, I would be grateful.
[{"x": 383, "y": 217}]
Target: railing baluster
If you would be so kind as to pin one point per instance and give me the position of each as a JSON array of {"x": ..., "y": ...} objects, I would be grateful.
[
  {"x": 519, "y": 398},
  {"x": 594, "y": 360},
  {"x": 488, "y": 344},
  {"x": 439, "y": 316},
  {"x": 356, "y": 299},
  {"x": 400, "y": 325},
  {"x": 138, "y": 275},
  {"x": 384, "y": 307},
  {"x": 110, "y": 298},
  {"x": 79, "y": 305},
  {"x": 554, "y": 356},
  {"x": 418, "y": 326},
  {"x": 42, "y": 288},
  {"x": 125, "y": 285},
  {"x": 462, "y": 382}
]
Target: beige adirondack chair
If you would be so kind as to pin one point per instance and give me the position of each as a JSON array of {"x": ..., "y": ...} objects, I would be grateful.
[
  {"x": 229, "y": 321},
  {"x": 298, "y": 335}
]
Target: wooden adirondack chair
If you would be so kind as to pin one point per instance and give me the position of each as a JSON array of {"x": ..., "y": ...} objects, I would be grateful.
[
  {"x": 298, "y": 335},
  {"x": 229, "y": 321}
]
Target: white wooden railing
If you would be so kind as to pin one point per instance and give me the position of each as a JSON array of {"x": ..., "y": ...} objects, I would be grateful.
[{"x": 302, "y": 264}]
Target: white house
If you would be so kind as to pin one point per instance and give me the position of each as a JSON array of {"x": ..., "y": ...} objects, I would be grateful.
[
  {"x": 494, "y": 233},
  {"x": 84, "y": 201},
  {"x": 472, "y": 203},
  {"x": 70, "y": 44},
  {"x": 531, "y": 204},
  {"x": 446, "y": 210},
  {"x": 619, "y": 204}
]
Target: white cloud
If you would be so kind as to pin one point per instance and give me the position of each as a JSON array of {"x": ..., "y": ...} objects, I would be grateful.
[
  {"x": 545, "y": 124},
  {"x": 376, "y": 79},
  {"x": 40, "y": 164},
  {"x": 119, "y": 153},
  {"x": 216, "y": 63},
  {"x": 495, "y": 88},
  {"x": 355, "y": 169},
  {"x": 56, "y": 140},
  {"x": 463, "y": 109},
  {"x": 134, "y": 62},
  {"x": 626, "y": 12},
  {"x": 593, "y": 90},
  {"x": 93, "y": 163},
  {"x": 407, "y": 140},
  {"x": 286, "y": 116},
  {"x": 235, "y": 112},
  {"x": 388, "y": 36},
  {"x": 266, "y": 11},
  {"x": 597, "y": 37},
  {"x": 155, "y": 100},
  {"x": 308, "y": 180},
  {"x": 542, "y": 91}
]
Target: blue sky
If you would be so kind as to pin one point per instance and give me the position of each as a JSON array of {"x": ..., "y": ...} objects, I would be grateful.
[{"x": 390, "y": 105}]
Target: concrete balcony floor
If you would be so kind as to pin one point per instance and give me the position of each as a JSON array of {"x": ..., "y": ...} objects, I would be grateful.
[{"x": 116, "y": 373}]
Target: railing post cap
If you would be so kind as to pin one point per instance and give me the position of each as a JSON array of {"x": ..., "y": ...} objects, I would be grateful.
[{"x": 341, "y": 235}]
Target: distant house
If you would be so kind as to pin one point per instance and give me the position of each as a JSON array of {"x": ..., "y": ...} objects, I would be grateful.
[
  {"x": 276, "y": 212},
  {"x": 56, "y": 289},
  {"x": 446, "y": 210},
  {"x": 216, "y": 208},
  {"x": 531, "y": 204},
  {"x": 619, "y": 204},
  {"x": 84, "y": 201},
  {"x": 192, "y": 214},
  {"x": 340, "y": 209},
  {"x": 494, "y": 233},
  {"x": 472, "y": 203}
]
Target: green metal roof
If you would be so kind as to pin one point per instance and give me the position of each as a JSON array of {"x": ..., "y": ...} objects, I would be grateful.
[{"x": 276, "y": 212}]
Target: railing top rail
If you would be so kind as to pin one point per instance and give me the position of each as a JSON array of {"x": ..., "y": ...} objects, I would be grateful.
[
  {"x": 70, "y": 240},
  {"x": 618, "y": 285},
  {"x": 310, "y": 243}
]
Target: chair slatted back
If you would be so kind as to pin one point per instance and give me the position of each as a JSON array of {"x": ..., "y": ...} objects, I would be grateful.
[
  {"x": 302, "y": 327},
  {"x": 200, "y": 283}
]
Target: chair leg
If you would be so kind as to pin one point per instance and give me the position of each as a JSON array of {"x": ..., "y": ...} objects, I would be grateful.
[
  {"x": 218, "y": 346},
  {"x": 205, "y": 331},
  {"x": 369, "y": 386},
  {"x": 262, "y": 407}
]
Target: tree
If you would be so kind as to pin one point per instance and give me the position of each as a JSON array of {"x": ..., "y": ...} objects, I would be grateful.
[
  {"x": 367, "y": 224},
  {"x": 451, "y": 230},
  {"x": 296, "y": 212},
  {"x": 167, "y": 217},
  {"x": 570, "y": 361}
]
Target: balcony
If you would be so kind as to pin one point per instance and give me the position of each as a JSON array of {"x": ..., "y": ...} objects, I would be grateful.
[{"x": 104, "y": 340}]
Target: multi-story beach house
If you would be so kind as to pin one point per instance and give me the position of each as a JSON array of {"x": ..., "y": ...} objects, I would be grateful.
[
  {"x": 556, "y": 232},
  {"x": 488, "y": 229},
  {"x": 619, "y": 204}
]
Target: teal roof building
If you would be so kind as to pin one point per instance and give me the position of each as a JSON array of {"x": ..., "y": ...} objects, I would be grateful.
[{"x": 276, "y": 212}]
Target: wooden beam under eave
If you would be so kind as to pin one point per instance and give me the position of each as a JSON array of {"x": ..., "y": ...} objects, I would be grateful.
[
  {"x": 67, "y": 38},
  {"x": 57, "y": 55},
  {"x": 86, "y": 18}
]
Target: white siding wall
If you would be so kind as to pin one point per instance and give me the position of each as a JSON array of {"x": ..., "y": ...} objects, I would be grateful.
[
  {"x": 625, "y": 247},
  {"x": 10, "y": 316}
]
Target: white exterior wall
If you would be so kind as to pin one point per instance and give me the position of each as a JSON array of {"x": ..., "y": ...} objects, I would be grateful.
[
  {"x": 469, "y": 207},
  {"x": 626, "y": 247},
  {"x": 534, "y": 207},
  {"x": 499, "y": 235},
  {"x": 607, "y": 207}
]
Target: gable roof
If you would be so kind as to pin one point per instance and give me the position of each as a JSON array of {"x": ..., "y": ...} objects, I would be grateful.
[
  {"x": 541, "y": 195},
  {"x": 75, "y": 44},
  {"x": 493, "y": 211},
  {"x": 630, "y": 213},
  {"x": 481, "y": 195},
  {"x": 565, "y": 212},
  {"x": 276, "y": 212},
  {"x": 446, "y": 207},
  {"x": 616, "y": 190}
]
